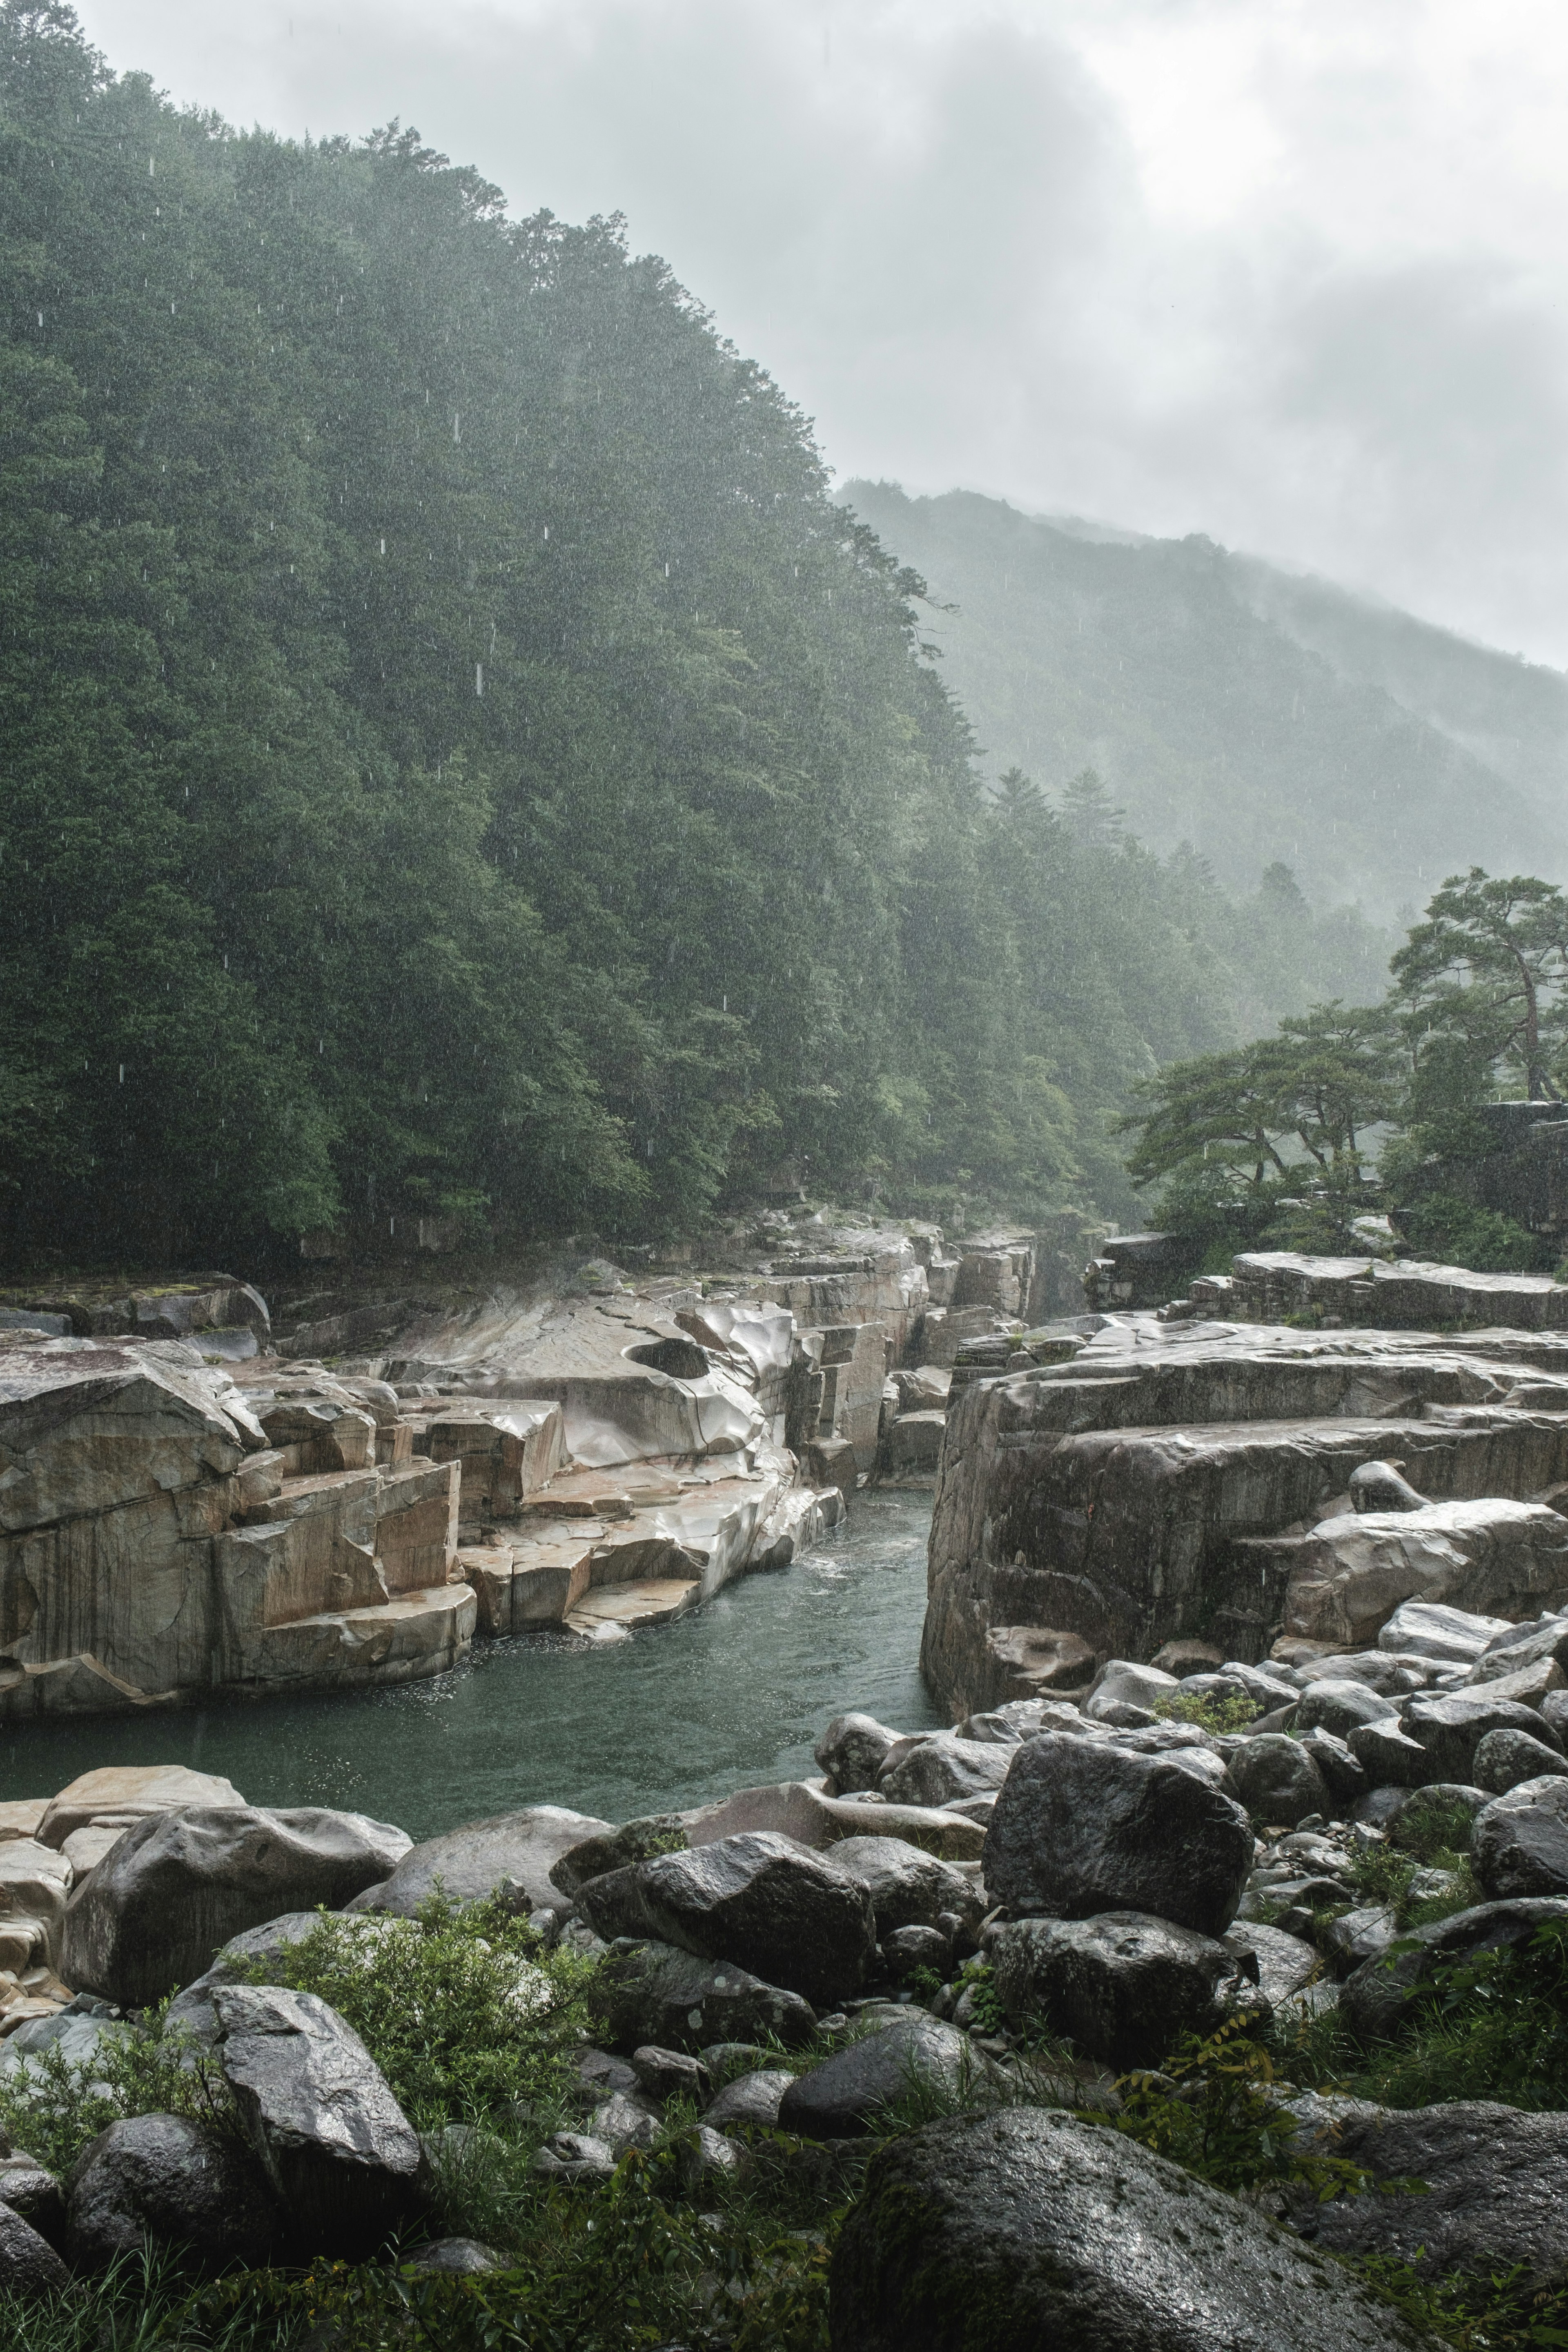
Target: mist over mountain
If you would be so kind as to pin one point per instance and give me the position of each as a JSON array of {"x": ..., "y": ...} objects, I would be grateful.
[{"x": 1258, "y": 714}]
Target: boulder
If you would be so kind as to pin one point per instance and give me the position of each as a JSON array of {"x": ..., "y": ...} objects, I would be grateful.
[
  {"x": 1277, "y": 1780},
  {"x": 1285, "y": 1965},
  {"x": 1343, "y": 1777},
  {"x": 119, "y": 1794},
  {"x": 1431, "y": 1630},
  {"x": 1518, "y": 1647},
  {"x": 1504, "y": 1758},
  {"x": 798, "y": 1809},
  {"x": 750, "y": 2100},
  {"x": 336, "y": 2147},
  {"x": 660, "y": 1994},
  {"x": 907, "y": 1888},
  {"x": 456, "y": 2258},
  {"x": 1121, "y": 1681},
  {"x": 757, "y": 1899},
  {"x": 637, "y": 1841},
  {"x": 178, "y": 1886},
  {"x": 28, "y": 2263},
  {"x": 571, "y": 2156},
  {"x": 1030, "y": 2227},
  {"x": 847, "y": 2095},
  {"x": 852, "y": 1751},
  {"x": 939, "y": 1771},
  {"x": 34, "y": 1887},
  {"x": 1518, "y": 1845},
  {"x": 161, "y": 2177},
  {"x": 624, "y": 2120},
  {"x": 1340, "y": 1706},
  {"x": 1451, "y": 1728},
  {"x": 1375, "y": 1997},
  {"x": 1435, "y": 1810},
  {"x": 1493, "y": 1557},
  {"x": 1378, "y": 1487},
  {"x": 1082, "y": 1827},
  {"x": 1122, "y": 1987},
  {"x": 191, "y": 2012},
  {"x": 1390, "y": 1757},
  {"x": 666, "y": 2074},
  {"x": 467, "y": 1864},
  {"x": 36, "y": 2195},
  {"x": 1495, "y": 2190}
]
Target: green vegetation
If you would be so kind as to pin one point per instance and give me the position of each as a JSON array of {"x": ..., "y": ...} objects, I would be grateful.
[{"x": 1220, "y": 1715}]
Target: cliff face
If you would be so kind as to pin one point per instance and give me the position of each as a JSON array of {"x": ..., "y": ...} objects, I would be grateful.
[{"x": 1164, "y": 1483}]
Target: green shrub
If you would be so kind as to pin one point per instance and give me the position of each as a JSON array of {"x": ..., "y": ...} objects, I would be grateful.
[
  {"x": 1210, "y": 1714},
  {"x": 52, "y": 2107},
  {"x": 1444, "y": 1227},
  {"x": 1383, "y": 1874}
]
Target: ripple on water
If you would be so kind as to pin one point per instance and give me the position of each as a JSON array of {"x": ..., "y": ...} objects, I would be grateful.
[{"x": 732, "y": 1694}]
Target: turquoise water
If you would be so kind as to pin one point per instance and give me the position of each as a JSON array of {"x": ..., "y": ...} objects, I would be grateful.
[{"x": 733, "y": 1695}]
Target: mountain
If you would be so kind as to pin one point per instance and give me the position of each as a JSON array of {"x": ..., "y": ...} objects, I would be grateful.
[{"x": 1258, "y": 714}]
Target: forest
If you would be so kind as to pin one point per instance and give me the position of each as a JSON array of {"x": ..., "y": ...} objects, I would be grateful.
[{"x": 459, "y": 759}]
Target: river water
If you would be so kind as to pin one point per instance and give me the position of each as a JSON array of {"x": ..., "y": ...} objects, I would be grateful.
[{"x": 730, "y": 1697}]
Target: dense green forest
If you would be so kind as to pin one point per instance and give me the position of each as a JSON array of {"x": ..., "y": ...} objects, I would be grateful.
[
  {"x": 1258, "y": 714},
  {"x": 458, "y": 758}
]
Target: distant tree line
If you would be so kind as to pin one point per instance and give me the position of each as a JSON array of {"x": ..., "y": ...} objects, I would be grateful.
[
  {"x": 1269, "y": 1142},
  {"x": 457, "y": 759}
]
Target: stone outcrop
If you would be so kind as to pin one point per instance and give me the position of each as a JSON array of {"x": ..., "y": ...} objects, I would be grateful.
[
  {"x": 1394, "y": 1295},
  {"x": 1182, "y": 1480}
]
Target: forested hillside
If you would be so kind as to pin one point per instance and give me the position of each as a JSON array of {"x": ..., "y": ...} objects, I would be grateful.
[
  {"x": 1257, "y": 715},
  {"x": 457, "y": 757}
]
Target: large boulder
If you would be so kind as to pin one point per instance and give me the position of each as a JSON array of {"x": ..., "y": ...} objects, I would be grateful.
[
  {"x": 849, "y": 2092},
  {"x": 1122, "y": 1987},
  {"x": 758, "y": 1899},
  {"x": 1492, "y": 1556},
  {"x": 1337, "y": 1705},
  {"x": 1375, "y": 1998},
  {"x": 1495, "y": 2190},
  {"x": 657, "y": 1994},
  {"x": 1082, "y": 1827},
  {"x": 516, "y": 1851},
  {"x": 191, "y": 2012},
  {"x": 1504, "y": 1758},
  {"x": 117, "y": 1795},
  {"x": 28, "y": 2263},
  {"x": 177, "y": 1885},
  {"x": 160, "y": 2176},
  {"x": 907, "y": 1888},
  {"x": 336, "y": 2147},
  {"x": 1451, "y": 1728},
  {"x": 637, "y": 1841},
  {"x": 1518, "y": 1845},
  {"x": 943, "y": 1771},
  {"x": 1277, "y": 1780},
  {"x": 1031, "y": 2227},
  {"x": 1430, "y": 1629}
]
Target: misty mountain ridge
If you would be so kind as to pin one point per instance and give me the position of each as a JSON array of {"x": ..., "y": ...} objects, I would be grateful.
[{"x": 1259, "y": 714}]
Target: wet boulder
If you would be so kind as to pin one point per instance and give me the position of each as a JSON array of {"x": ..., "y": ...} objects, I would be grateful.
[
  {"x": 1083, "y": 1826},
  {"x": 907, "y": 1888},
  {"x": 757, "y": 1899},
  {"x": 515, "y": 1851},
  {"x": 1518, "y": 1845},
  {"x": 849, "y": 2092},
  {"x": 1504, "y": 1758},
  {"x": 1340, "y": 1706},
  {"x": 1344, "y": 1778},
  {"x": 338, "y": 2150},
  {"x": 28, "y": 2263},
  {"x": 751, "y": 2100},
  {"x": 177, "y": 1885},
  {"x": 853, "y": 1750},
  {"x": 634, "y": 1842},
  {"x": 1451, "y": 1728},
  {"x": 1124, "y": 1988},
  {"x": 1030, "y": 2227},
  {"x": 1277, "y": 1780},
  {"x": 942, "y": 1770},
  {"x": 1375, "y": 1998},
  {"x": 660, "y": 1994},
  {"x": 161, "y": 2177}
]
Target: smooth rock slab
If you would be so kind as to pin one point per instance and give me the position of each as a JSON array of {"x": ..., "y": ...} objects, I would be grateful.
[
  {"x": 847, "y": 2095},
  {"x": 334, "y": 2142},
  {"x": 757, "y": 1899},
  {"x": 1123, "y": 1987},
  {"x": 1082, "y": 1827},
  {"x": 1028, "y": 2230},
  {"x": 160, "y": 2176},
  {"x": 178, "y": 1886},
  {"x": 1497, "y": 2183},
  {"x": 1518, "y": 1845}
]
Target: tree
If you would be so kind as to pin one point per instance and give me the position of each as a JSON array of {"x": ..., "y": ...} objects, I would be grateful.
[{"x": 1485, "y": 973}]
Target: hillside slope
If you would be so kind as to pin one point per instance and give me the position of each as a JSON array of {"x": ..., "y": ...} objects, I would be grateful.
[{"x": 1225, "y": 703}]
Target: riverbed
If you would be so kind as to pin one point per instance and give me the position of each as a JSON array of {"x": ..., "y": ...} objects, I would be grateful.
[{"x": 676, "y": 1715}]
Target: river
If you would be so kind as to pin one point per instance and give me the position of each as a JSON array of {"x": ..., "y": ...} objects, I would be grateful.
[{"x": 733, "y": 1695}]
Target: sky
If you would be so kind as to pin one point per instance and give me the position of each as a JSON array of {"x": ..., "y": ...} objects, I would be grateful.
[{"x": 1288, "y": 272}]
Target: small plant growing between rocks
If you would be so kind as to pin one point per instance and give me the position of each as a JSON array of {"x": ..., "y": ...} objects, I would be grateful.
[{"x": 1216, "y": 1715}]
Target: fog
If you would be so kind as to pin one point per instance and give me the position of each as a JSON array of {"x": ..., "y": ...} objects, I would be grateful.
[{"x": 1287, "y": 275}]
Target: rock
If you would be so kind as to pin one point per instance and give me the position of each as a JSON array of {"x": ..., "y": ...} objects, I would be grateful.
[
  {"x": 1491, "y": 1557},
  {"x": 1123, "y": 1987},
  {"x": 1285, "y": 1965},
  {"x": 751, "y": 2100},
  {"x": 1496, "y": 2191},
  {"x": 1450, "y": 1728},
  {"x": 1518, "y": 1647},
  {"x": 569, "y": 2155},
  {"x": 36, "y": 2195},
  {"x": 1454, "y": 1636},
  {"x": 846, "y": 2095},
  {"x": 1518, "y": 1845},
  {"x": 1359, "y": 1935},
  {"x": 28, "y": 2263},
  {"x": 1186, "y": 1657},
  {"x": 1032, "y": 2228},
  {"x": 1082, "y": 1827},
  {"x": 1122, "y": 1682},
  {"x": 160, "y": 2176},
  {"x": 757, "y": 1899},
  {"x": 456, "y": 2258},
  {"x": 1340, "y": 1706},
  {"x": 1380, "y": 1805},
  {"x": 1390, "y": 1757},
  {"x": 907, "y": 1888},
  {"x": 332, "y": 2140},
  {"x": 704, "y": 2155},
  {"x": 909, "y": 1951},
  {"x": 1428, "y": 1811},
  {"x": 177, "y": 1885},
  {"x": 660, "y": 1994},
  {"x": 34, "y": 1887},
  {"x": 1504, "y": 1758},
  {"x": 1277, "y": 1781},
  {"x": 664, "y": 2073},
  {"x": 1375, "y": 1998},
  {"x": 124, "y": 1794},
  {"x": 191, "y": 2012},
  {"x": 637, "y": 1841},
  {"x": 1378, "y": 1487},
  {"x": 1343, "y": 1777},
  {"x": 624, "y": 2121},
  {"x": 1529, "y": 1686},
  {"x": 470, "y": 1863},
  {"x": 798, "y": 1809},
  {"x": 940, "y": 1771}
]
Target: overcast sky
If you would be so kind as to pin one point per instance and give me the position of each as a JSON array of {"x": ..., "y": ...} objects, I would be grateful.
[{"x": 1289, "y": 272}]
